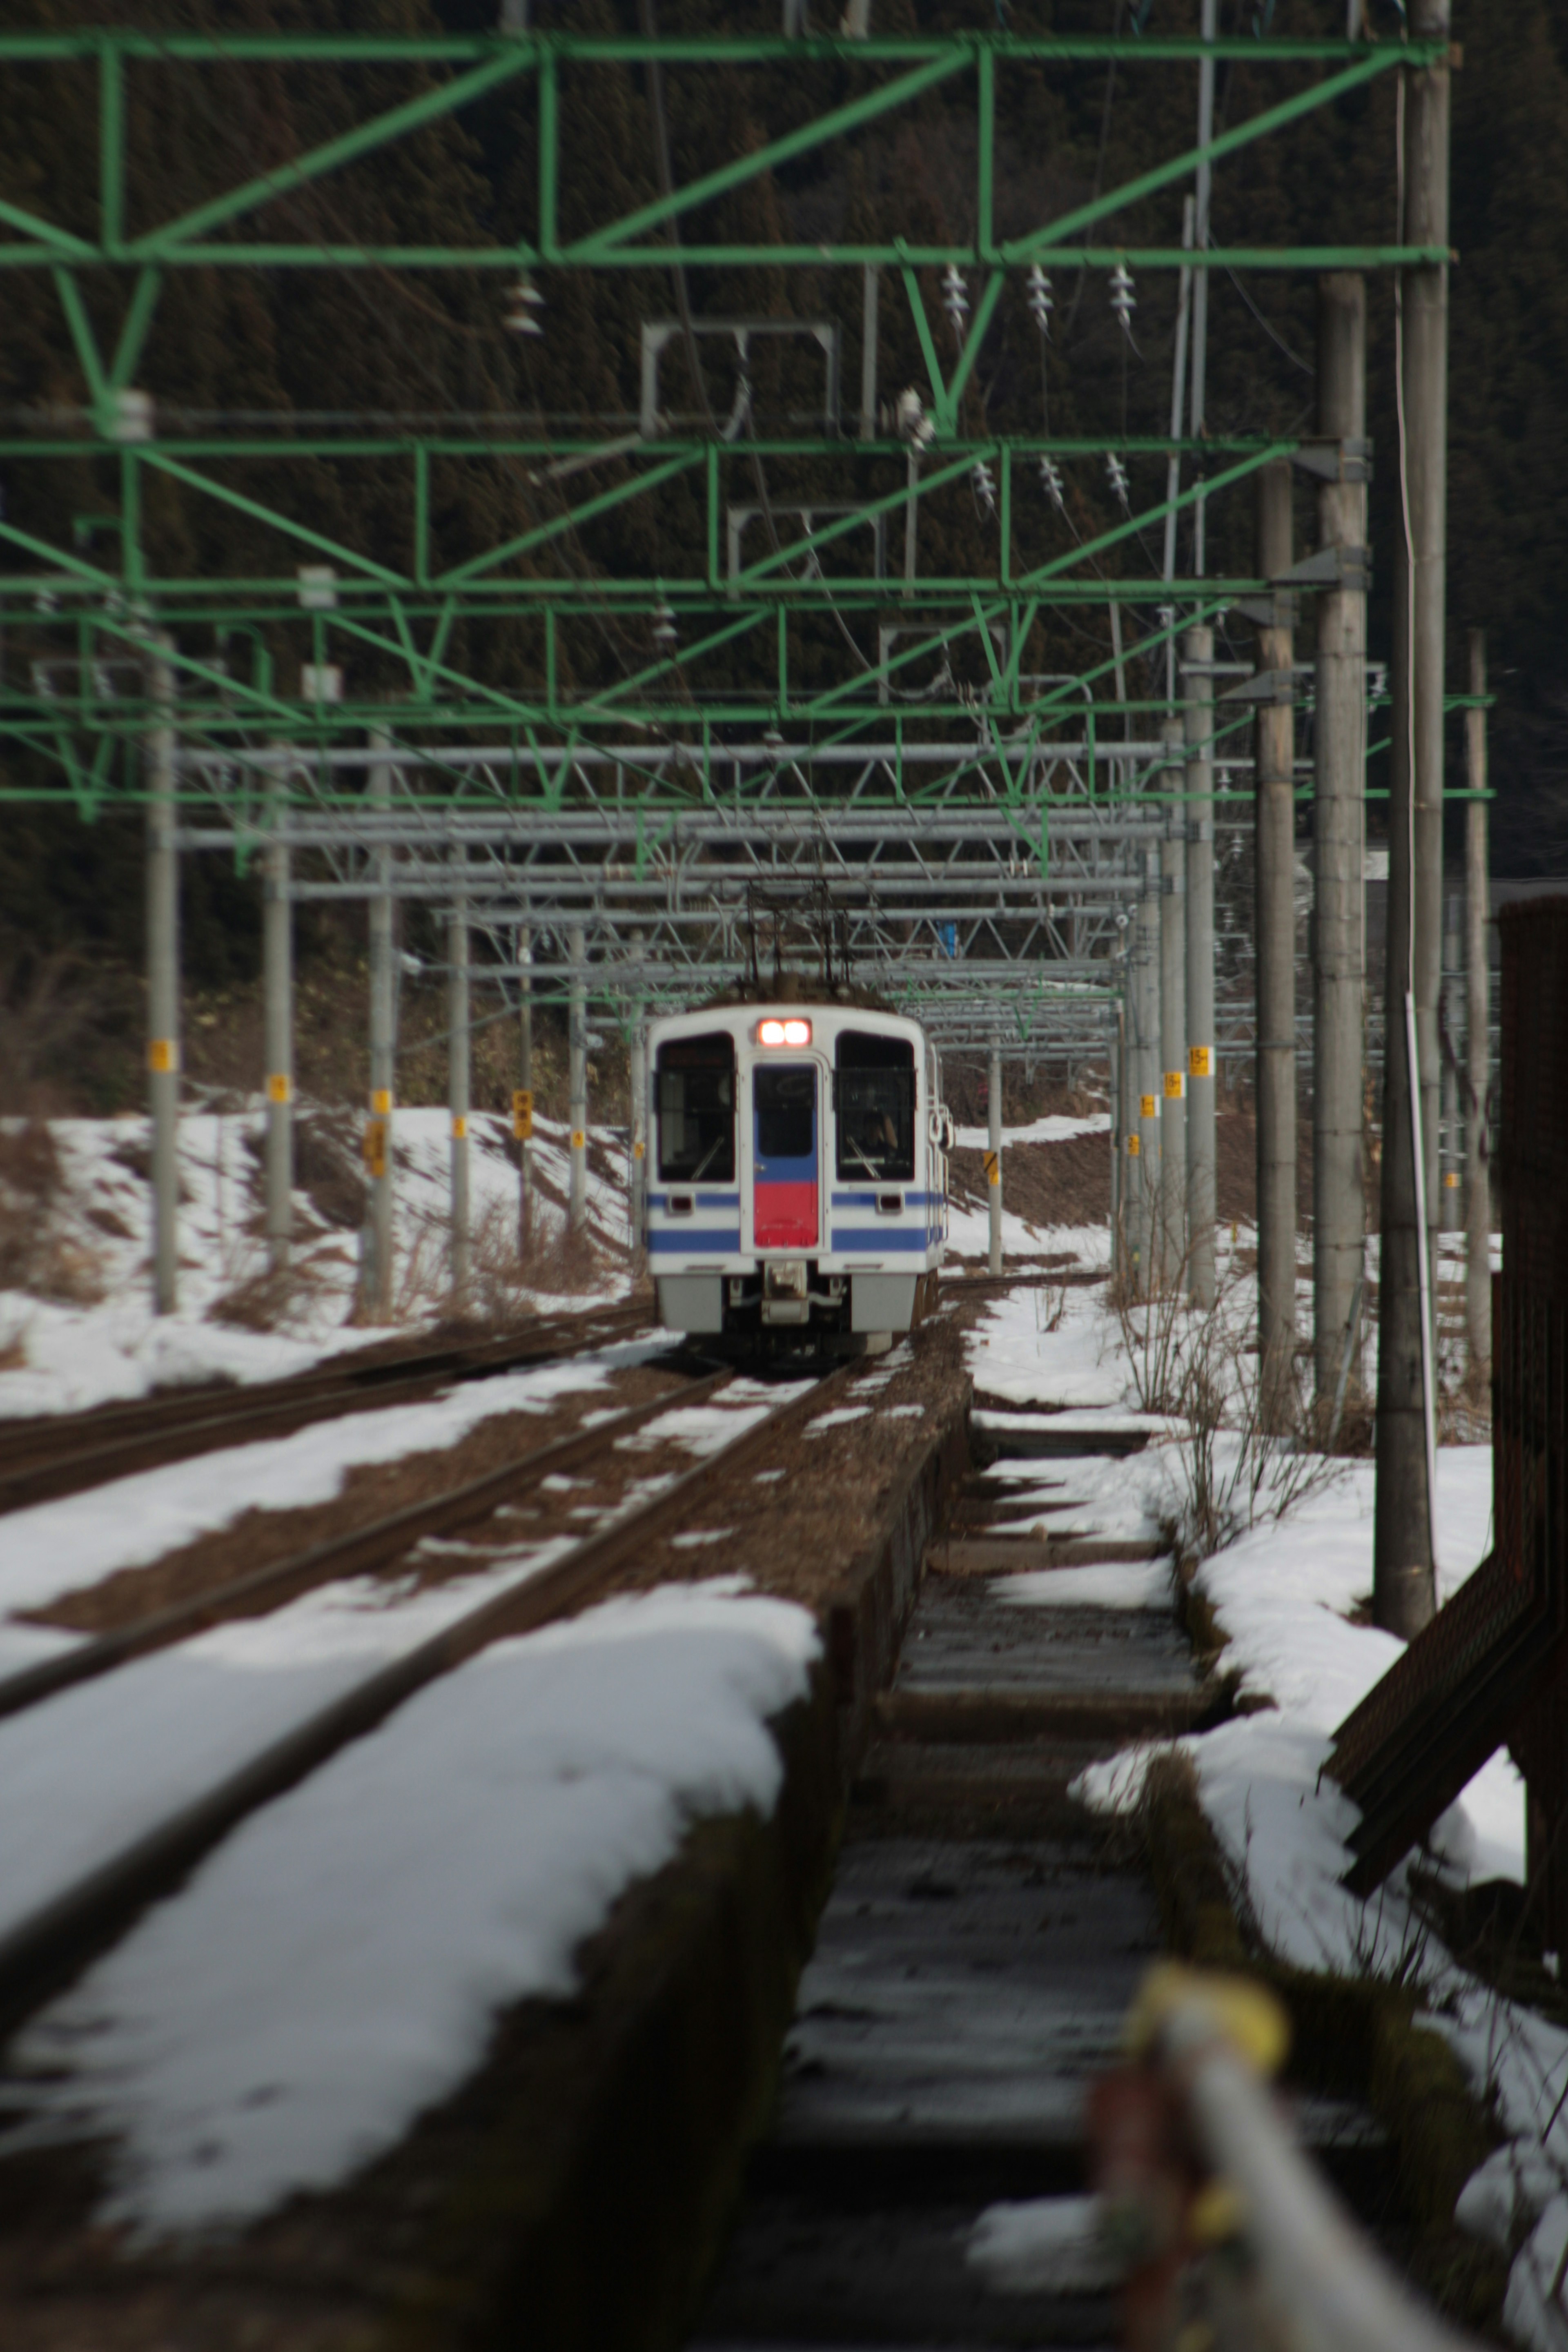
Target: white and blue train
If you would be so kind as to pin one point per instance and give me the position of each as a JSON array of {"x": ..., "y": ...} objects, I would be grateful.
[{"x": 797, "y": 1173}]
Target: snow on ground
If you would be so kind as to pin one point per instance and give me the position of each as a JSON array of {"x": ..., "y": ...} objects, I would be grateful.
[
  {"x": 1283, "y": 1592},
  {"x": 1045, "y": 2245},
  {"x": 96, "y": 1766},
  {"x": 1055, "y": 1129},
  {"x": 442, "y": 1868},
  {"x": 111, "y": 1345}
]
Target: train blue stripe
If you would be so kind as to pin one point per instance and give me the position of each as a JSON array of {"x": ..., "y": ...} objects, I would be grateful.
[
  {"x": 875, "y": 1239},
  {"x": 869, "y": 1200},
  {"x": 694, "y": 1240},
  {"x": 702, "y": 1199}
]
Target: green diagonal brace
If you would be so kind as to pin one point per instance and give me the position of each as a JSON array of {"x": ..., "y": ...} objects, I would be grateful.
[
  {"x": 317, "y": 162},
  {"x": 753, "y": 572},
  {"x": 59, "y": 242},
  {"x": 1163, "y": 175},
  {"x": 778, "y": 150},
  {"x": 134, "y": 334},
  {"x": 275, "y": 522},
  {"x": 82, "y": 336},
  {"x": 544, "y": 531}
]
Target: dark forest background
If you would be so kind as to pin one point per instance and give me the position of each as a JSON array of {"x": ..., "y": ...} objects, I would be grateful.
[{"x": 308, "y": 342}]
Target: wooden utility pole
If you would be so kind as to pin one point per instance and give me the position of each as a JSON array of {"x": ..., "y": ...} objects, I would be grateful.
[
  {"x": 1339, "y": 835},
  {"x": 1276, "y": 952},
  {"x": 1477, "y": 1032},
  {"x": 1404, "y": 1580}
]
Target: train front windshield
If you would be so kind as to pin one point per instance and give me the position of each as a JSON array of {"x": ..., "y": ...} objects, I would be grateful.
[
  {"x": 874, "y": 1094},
  {"x": 696, "y": 1111}
]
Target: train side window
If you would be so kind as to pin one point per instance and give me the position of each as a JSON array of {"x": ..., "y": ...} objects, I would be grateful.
[
  {"x": 874, "y": 1099},
  {"x": 696, "y": 1111}
]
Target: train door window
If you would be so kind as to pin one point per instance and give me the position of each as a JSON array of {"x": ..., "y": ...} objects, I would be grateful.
[
  {"x": 785, "y": 1098},
  {"x": 696, "y": 1092},
  {"x": 874, "y": 1098}
]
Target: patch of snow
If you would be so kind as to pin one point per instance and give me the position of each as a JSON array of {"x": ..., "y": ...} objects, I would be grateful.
[
  {"x": 1046, "y": 2246},
  {"x": 1109, "y": 1584},
  {"x": 1053, "y": 1130},
  {"x": 836, "y": 1418},
  {"x": 334, "y": 1969}
]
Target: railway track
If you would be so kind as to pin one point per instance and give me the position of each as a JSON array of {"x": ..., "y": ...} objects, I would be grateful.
[
  {"x": 40, "y": 1951},
  {"x": 42, "y": 1460}
]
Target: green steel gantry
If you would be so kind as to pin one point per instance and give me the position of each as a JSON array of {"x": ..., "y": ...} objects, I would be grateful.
[{"x": 719, "y": 645}]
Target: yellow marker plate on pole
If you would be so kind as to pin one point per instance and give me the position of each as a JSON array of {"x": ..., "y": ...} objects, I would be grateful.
[
  {"x": 1134, "y": 1146},
  {"x": 1200, "y": 1061},
  {"x": 579, "y": 1139},
  {"x": 280, "y": 1086},
  {"x": 521, "y": 1113},
  {"x": 1149, "y": 1105},
  {"x": 1175, "y": 1085},
  {"x": 381, "y": 1102},
  {"x": 459, "y": 1129},
  {"x": 162, "y": 1055},
  {"x": 994, "y": 1168},
  {"x": 374, "y": 1146}
]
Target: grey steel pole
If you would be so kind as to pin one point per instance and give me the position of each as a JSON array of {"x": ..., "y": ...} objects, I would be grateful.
[
  {"x": 163, "y": 981},
  {"x": 577, "y": 1078},
  {"x": 1276, "y": 949},
  {"x": 525, "y": 1081},
  {"x": 1424, "y": 310},
  {"x": 994, "y": 1158},
  {"x": 1118, "y": 1130},
  {"x": 870, "y": 287},
  {"x": 1404, "y": 1578},
  {"x": 1450, "y": 1215},
  {"x": 1131, "y": 1136},
  {"x": 1146, "y": 972},
  {"x": 1208, "y": 25},
  {"x": 1478, "y": 1034},
  {"x": 1339, "y": 837},
  {"x": 1174, "y": 1012},
  {"x": 379, "y": 1160},
  {"x": 277, "y": 945},
  {"x": 459, "y": 1085},
  {"x": 911, "y": 522},
  {"x": 1198, "y": 653}
]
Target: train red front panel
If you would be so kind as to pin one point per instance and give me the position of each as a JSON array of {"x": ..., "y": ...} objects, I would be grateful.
[{"x": 786, "y": 1211}]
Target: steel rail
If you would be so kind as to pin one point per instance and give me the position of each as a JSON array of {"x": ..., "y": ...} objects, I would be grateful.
[
  {"x": 155, "y": 1430},
  {"x": 350, "y": 1553},
  {"x": 52, "y": 1943}
]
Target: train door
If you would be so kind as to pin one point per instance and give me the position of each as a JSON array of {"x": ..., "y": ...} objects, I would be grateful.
[{"x": 785, "y": 1156}]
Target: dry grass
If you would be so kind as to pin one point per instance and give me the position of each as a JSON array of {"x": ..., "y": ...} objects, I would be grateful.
[
  {"x": 275, "y": 1301},
  {"x": 36, "y": 1255}
]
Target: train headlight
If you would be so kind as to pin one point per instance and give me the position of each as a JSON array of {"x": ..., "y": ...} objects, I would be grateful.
[{"x": 784, "y": 1033}]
